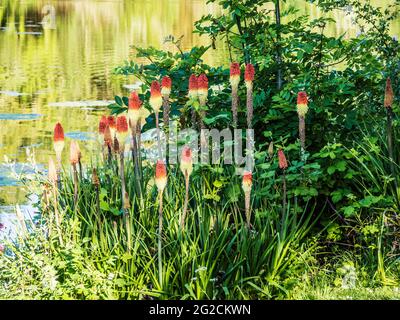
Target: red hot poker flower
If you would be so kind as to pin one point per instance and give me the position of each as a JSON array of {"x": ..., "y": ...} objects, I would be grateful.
[
  {"x": 161, "y": 175},
  {"x": 186, "y": 161},
  {"x": 102, "y": 125},
  {"x": 166, "y": 84},
  {"x": 58, "y": 139},
  {"x": 235, "y": 69},
  {"x": 302, "y": 103},
  {"x": 235, "y": 75},
  {"x": 111, "y": 122},
  {"x": 282, "y": 160},
  {"x": 155, "y": 96},
  {"x": 134, "y": 101},
  {"x": 202, "y": 88},
  {"x": 249, "y": 73},
  {"x": 247, "y": 181},
  {"x": 193, "y": 86},
  {"x": 122, "y": 124},
  {"x": 58, "y": 132}
]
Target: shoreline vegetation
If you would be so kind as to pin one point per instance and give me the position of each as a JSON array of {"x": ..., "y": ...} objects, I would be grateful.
[{"x": 313, "y": 216}]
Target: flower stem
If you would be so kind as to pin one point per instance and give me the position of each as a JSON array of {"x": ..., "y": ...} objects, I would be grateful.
[
  {"x": 186, "y": 201},
  {"x": 160, "y": 225}
]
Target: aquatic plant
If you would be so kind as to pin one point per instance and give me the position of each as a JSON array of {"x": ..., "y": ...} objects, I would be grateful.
[{"x": 388, "y": 102}]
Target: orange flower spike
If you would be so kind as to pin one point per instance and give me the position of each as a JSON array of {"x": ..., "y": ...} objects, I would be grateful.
[
  {"x": 389, "y": 97},
  {"x": 193, "y": 86},
  {"x": 58, "y": 139},
  {"x": 166, "y": 85},
  {"x": 202, "y": 88},
  {"x": 302, "y": 103},
  {"x": 161, "y": 175},
  {"x": 107, "y": 136},
  {"x": 249, "y": 75},
  {"x": 102, "y": 125},
  {"x": 134, "y": 109},
  {"x": 247, "y": 181},
  {"x": 112, "y": 124},
  {"x": 235, "y": 75},
  {"x": 282, "y": 160},
  {"x": 52, "y": 172},
  {"x": 155, "y": 96},
  {"x": 122, "y": 130},
  {"x": 75, "y": 153},
  {"x": 186, "y": 161}
]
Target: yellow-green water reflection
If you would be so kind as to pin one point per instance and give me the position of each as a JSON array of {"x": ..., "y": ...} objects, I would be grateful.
[{"x": 71, "y": 58}]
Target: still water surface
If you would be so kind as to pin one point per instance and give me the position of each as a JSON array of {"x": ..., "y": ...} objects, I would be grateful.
[{"x": 56, "y": 62}]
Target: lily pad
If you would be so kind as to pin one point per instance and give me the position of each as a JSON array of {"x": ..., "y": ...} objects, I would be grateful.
[
  {"x": 12, "y": 93},
  {"x": 81, "y": 136},
  {"x": 19, "y": 116},
  {"x": 79, "y": 104}
]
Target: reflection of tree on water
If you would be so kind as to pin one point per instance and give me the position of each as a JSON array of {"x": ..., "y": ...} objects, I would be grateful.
[{"x": 49, "y": 19}]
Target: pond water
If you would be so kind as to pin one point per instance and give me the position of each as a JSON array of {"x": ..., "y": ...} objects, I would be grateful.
[{"x": 57, "y": 58}]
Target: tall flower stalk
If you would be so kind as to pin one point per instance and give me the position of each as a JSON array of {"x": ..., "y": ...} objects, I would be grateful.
[
  {"x": 202, "y": 93},
  {"x": 283, "y": 165},
  {"x": 249, "y": 78},
  {"x": 161, "y": 183},
  {"x": 135, "y": 115},
  {"x": 388, "y": 102},
  {"x": 193, "y": 95},
  {"x": 96, "y": 184},
  {"x": 108, "y": 141},
  {"x": 186, "y": 168},
  {"x": 247, "y": 183},
  {"x": 53, "y": 178},
  {"x": 234, "y": 80},
  {"x": 102, "y": 129},
  {"x": 122, "y": 134},
  {"x": 166, "y": 85},
  {"x": 112, "y": 125},
  {"x": 302, "y": 109},
  {"x": 156, "y": 103},
  {"x": 59, "y": 144},
  {"x": 74, "y": 159}
]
